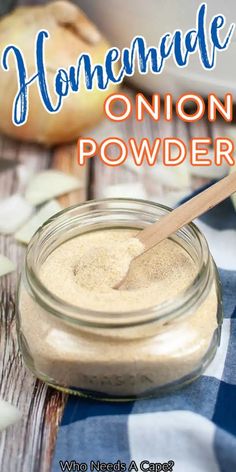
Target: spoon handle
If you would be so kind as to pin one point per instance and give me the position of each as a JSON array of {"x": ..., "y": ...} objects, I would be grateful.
[{"x": 201, "y": 203}]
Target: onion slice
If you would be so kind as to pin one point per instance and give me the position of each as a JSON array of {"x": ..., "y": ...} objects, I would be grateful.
[
  {"x": 50, "y": 184},
  {"x": 9, "y": 414},
  {"x": 174, "y": 178},
  {"x": 24, "y": 174},
  {"x": 14, "y": 212},
  {"x": 128, "y": 190},
  {"x": 6, "y": 266},
  {"x": 25, "y": 234}
]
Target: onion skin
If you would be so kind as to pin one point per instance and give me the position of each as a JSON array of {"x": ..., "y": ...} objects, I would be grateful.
[{"x": 71, "y": 34}]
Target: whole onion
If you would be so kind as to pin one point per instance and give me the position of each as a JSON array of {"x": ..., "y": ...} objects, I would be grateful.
[{"x": 71, "y": 34}]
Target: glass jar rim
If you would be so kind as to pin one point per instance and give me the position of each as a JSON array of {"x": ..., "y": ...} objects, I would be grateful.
[{"x": 163, "y": 312}]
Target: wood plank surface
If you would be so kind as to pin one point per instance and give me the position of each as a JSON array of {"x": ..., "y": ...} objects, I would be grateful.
[{"x": 27, "y": 446}]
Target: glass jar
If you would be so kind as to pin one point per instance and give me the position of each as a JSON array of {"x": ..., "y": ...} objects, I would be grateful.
[{"x": 117, "y": 355}]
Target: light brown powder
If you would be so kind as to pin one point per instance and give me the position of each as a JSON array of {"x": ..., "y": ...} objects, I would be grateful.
[
  {"x": 104, "y": 266},
  {"x": 84, "y": 270}
]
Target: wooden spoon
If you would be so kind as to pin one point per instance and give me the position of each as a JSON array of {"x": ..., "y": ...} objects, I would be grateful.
[{"x": 155, "y": 233}]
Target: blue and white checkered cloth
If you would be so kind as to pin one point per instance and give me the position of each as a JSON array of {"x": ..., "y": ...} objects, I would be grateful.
[{"x": 196, "y": 426}]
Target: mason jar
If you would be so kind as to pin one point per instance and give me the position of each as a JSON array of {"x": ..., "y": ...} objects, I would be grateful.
[{"x": 113, "y": 355}]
